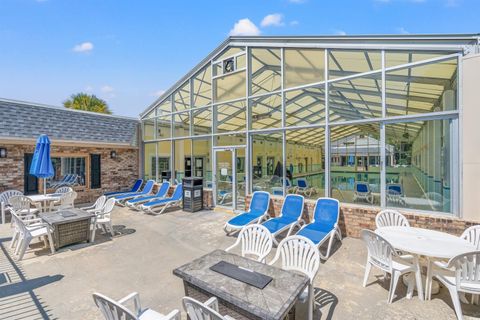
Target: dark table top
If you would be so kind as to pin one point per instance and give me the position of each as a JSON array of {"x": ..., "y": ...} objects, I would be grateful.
[
  {"x": 271, "y": 303},
  {"x": 57, "y": 217}
]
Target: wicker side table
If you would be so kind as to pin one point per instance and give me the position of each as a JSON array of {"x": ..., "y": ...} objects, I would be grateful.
[{"x": 69, "y": 226}]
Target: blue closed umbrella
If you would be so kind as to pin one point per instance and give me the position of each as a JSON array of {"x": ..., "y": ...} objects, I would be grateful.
[{"x": 41, "y": 166}]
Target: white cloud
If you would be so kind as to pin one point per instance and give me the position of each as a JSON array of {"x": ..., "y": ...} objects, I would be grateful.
[
  {"x": 294, "y": 23},
  {"x": 402, "y": 30},
  {"x": 274, "y": 20},
  {"x": 83, "y": 47},
  {"x": 452, "y": 3},
  {"x": 297, "y": 1},
  {"x": 244, "y": 27},
  {"x": 107, "y": 89},
  {"x": 158, "y": 93},
  {"x": 340, "y": 32}
]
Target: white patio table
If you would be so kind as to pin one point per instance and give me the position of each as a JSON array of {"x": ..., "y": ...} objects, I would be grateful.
[
  {"x": 429, "y": 243},
  {"x": 44, "y": 199}
]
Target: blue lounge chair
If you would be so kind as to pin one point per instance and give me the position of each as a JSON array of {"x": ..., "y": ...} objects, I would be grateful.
[
  {"x": 324, "y": 225},
  {"x": 135, "y": 188},
  {"x": 161, "y": 193},
  {"x": 147, "y": 189},
  {"x": 174, "y": 200},
  {"x": 361, "y": 191},
  {"x": 303, "y": 187},
  {"x": 289, "y": 218},
  {"x": 256, "y": 213}
]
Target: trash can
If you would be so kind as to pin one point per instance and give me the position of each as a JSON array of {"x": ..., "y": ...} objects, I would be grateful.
[
  {"x": 192, "y": 194},
  {"x": 166, "y": 175}
]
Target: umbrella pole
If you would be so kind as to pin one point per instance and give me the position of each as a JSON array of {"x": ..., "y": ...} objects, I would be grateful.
[{"x": 44, "y": 186}]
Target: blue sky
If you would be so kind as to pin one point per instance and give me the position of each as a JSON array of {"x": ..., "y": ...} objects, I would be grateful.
[{"x": 128, "y": 52}]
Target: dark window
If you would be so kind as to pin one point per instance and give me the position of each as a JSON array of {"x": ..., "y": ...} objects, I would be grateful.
[{"x": 95, "y": 172}]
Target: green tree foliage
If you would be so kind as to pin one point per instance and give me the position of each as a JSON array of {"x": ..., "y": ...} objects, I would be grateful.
[{"x": 87, "y": 102}]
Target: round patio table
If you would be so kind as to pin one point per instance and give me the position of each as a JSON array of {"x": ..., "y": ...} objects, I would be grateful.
[
  {"x": 429, "y": 243},
  {"x": 44, "y": 199}
]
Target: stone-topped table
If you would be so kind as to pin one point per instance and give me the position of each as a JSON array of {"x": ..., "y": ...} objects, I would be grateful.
[
  {"x": 69, "y": 226},
  {"x": 237, "y": 299}
]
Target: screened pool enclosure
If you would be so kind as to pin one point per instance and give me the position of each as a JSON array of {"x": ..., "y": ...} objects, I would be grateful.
[{"x": 323, "y": 116}]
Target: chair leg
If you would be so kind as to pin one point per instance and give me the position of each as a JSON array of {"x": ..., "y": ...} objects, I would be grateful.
[
  {"x": 310, "y": 302},
  {"x": 475, "y": 298},
  {"x": 111, "y": 228},
  {"x": 428, "y": 281},
  {"x": 19, "y": 244},
  {"x": 411, "y": 285},
  {"x": 25, "y": 244},
  {"x": 368, "y": 268},
  {"x": 14, "y": 239},
  {"x": 52, "y": 245},
  {"x": 393, "y": 285},
  {"x": 456, "y": 301}
]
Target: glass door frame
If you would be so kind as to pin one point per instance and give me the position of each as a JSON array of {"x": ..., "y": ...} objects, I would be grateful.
[{"x": 233, "y": 150}]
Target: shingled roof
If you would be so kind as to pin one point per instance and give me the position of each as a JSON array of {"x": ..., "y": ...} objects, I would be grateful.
[{"x": 24, "y": 120}]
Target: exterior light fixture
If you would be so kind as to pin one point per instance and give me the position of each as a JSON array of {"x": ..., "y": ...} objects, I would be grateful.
[
  {"x": 113, "y": 154},
  {"x": 3, "y": 152}
]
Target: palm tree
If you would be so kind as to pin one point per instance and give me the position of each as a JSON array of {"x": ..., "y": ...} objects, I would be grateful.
[{"x": 87, "y": 102}]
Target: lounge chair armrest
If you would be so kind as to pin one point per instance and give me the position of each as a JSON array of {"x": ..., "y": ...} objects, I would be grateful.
[
  {"x": 32, "y": 221},
  {"x": 37, "y": 226},
  {"x": 228, "y": 317},
  {"x": 212, "y": 303},
  {"x": 173, "y": 315},
  {"x": 440, "y": 265},
  {"x": 136, "y": 301}
]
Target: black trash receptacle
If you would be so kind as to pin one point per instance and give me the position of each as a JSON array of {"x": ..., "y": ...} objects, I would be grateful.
[
  {"x": 166, "y": 175},
  {"x": 192, "y": 194}
]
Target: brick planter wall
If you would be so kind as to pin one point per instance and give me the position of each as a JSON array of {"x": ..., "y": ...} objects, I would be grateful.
[
  {"x": 354, "y": 218},
  {"x": 116, "y": 174}
]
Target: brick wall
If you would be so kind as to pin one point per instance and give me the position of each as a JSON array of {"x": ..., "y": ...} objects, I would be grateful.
[
  {"x": 116, "y": 174},
  {"x": 354, "y": 218}
]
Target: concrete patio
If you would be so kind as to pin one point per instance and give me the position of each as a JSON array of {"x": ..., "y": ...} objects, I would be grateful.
[{"x": 146, "y": 249}]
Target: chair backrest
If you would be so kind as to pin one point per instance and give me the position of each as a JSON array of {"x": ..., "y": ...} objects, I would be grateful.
[
  {"x": 395, "y": 189},
  {"x": 362, "y": 187},
  {"x": 67, "y": 200},
  {"x": 277, "y": 191},
  {"x": 298, "y": 254},
  {"x": 198, "y": 311},
  {"x": 391, "y": 218},
  {"x": 108, "y": 208},
  {"x": 148, "y": 186},
  {"x": 288, "y": 183},
  {"x": 100, "y": 203},
  {"x": 293, "y": 206},
  {"x": 467, "y": 271},
  {"x": 380, "y": 251},
  {"x": 326, "y": 212},
  {"x": 302, "y": 183},
  {"x": 137, "y": 185},
  {"x": 472, "y": 235},
  {"x": 260, "y": 202},
  {"x": 256, "y": 240},
  {"x": 177, "y": 193},
  {"x": 111, "y": 309},
  {"x": 163, "y": 190},
  {"x": 6, "y": 195},
  {"x": 20, "y": 203},
  {"x": 63, "y": 190}
]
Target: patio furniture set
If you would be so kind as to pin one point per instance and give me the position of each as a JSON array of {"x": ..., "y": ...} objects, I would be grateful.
[
  {"x": 395, "y": 248},
  {"x": 53, "y": 218}
]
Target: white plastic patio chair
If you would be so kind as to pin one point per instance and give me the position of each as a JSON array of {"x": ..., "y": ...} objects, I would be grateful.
[
  {"x": 28, "y": 232},
  {"x": 63, "y": 190},
  {"x": 391, "y": 218},
  {"x": 256, "y": 241},
  {"x": 382, "y": 255},
  {"x": 17, "y": 229},
  {"x": 460, "y": 275},
  {"x": 203, "y": 311},
  {"x": 22, "y": 207},
  {"x": 472, "y": 235},
  {"x": 116, "y": 310},
  {"x": 103, "y": 219},
  {"x": 4, "y": 201},
  {"x": 66, "y": 201},
  {"x": 97, "y": 206},
  {"x": 300, "y": 254}
]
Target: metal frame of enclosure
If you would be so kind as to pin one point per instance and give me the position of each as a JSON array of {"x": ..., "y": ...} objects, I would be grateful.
[{"x": 387, "y": 85}]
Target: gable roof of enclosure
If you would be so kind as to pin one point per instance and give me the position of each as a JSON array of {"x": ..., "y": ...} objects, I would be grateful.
[{"x": 437, "y": 42}]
